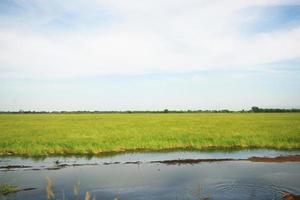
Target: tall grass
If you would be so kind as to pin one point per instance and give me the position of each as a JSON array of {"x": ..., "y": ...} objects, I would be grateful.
[
  {"x": 51, "y": 195},
  {"x": 49, "y": 189},
  {"x": 44, "y": 134}
]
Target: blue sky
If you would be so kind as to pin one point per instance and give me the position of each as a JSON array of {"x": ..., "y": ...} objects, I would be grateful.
[{"x": 149, "y": 55}]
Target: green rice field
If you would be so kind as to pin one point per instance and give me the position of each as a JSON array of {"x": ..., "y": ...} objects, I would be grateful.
[{"x": 49, "y": 134}]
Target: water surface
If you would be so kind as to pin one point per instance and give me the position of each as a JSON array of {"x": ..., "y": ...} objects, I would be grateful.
[{"x": 146, "y": 180}]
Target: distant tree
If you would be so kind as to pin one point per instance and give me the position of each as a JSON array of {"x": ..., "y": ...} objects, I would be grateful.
[
  {"x": 255, "y": 109},
  {"x": 225, "y": 111},
  {"x": 166, "y": 110}
]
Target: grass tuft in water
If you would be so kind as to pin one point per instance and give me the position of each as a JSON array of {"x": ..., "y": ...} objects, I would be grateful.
[
  {"x": 77, "y": 189},
  {"x": 49, "y": 189},
  {"x": 51, "y": 195},
  {"x": 87, "y": 196},
  {"x": 6, "y": 188}
]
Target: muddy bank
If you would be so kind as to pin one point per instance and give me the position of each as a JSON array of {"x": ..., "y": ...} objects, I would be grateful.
[
  {"x": 59, "y": 165},
  {"x": 192, "y": 161},
  {"x": 14, "y": 167},
  {"x": 292, "y": 158}
]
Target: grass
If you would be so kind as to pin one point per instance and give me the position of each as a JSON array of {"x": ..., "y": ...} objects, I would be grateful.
[
  {"x": 51, "y": 195},
  {"x": 48, "y": 134},
  {"x": 7, "y": 188}
]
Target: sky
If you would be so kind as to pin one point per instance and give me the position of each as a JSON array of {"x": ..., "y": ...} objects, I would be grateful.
[{"x": 149, "y": 55}]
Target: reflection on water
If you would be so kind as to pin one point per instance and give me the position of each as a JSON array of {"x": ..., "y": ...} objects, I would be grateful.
[{"x": 213, "y": 180}]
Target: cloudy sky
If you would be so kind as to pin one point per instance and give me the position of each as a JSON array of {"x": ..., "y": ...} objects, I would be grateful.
[{"x": 149, "y": 54}]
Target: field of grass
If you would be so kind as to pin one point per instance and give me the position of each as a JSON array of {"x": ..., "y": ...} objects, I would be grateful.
[{"x": 45, "y": 134}]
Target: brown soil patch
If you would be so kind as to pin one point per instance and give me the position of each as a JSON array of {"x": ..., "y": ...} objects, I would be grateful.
[
  {"x": 190, "y": 161},
  {"x": 295, "y": 158},
  {"x": 290, "y": 196}
]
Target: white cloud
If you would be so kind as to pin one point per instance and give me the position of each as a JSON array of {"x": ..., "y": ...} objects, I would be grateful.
[{"x": 147, "y": 36}]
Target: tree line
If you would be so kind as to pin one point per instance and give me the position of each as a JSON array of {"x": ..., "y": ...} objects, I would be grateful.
[
  {"x": 272, "y": 110},
  {"x": 254, "y": 109}
]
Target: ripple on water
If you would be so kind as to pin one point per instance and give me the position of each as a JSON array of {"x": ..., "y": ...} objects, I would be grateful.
[{"x": 239, "y": 190}]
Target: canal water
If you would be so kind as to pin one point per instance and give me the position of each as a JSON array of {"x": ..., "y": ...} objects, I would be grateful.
[{"x": 136, "y": 176}]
